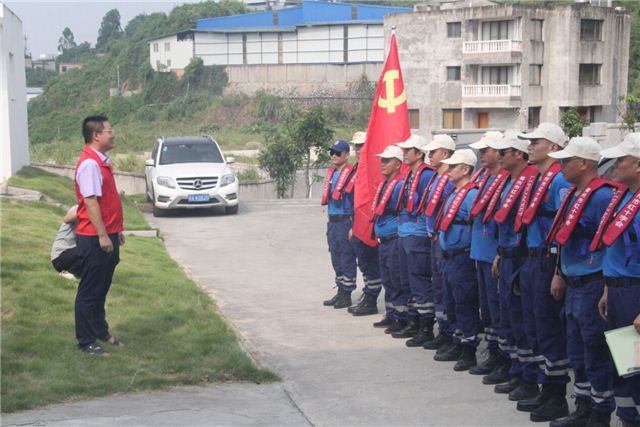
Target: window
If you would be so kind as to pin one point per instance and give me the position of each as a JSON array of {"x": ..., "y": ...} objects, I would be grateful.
[
  {"x": 454, "y": 29},
  {"x": 158, "y": 64},
  {"x": 535, "y": 73},
  {"x": 453, "y": 74},
  {"x": 167, "y": 46},
  {"x": 496, "y": 30},
  {"x": 495, "y": 76},
  {"x": 168, "y": 63},
  {"x": 155, "y": 47},
  {"x": 533, "y": 117},
  {"x": 452, "y": 119},
  {"x": 589, "y": 74},
  {"x": 591, "y": 30},
  {"x": 414, "y": 118},
  {"x": 483, "y": 120},
  {"x": 536, "y": 29}
]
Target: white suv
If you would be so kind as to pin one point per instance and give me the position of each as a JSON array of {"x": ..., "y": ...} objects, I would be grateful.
[{"x": 189, "y": 173}]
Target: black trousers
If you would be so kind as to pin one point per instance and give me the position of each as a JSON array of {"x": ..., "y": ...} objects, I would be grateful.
[
  {"x": 70, "y": 261},
  {"x": 97, "y": 271}
]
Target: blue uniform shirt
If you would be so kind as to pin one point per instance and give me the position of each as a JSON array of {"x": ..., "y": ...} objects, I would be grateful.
[
  {"x": 430, "y": 221},
  {"x": 539, "y": 228},
  {"x": 617, "y": 262},
  {"x": 344, "y": 206},
  {"x": 575, "y": 258},
  {"x": 409, "y": 224},
  {"x": 507, "y": 238},
  {"x": 458, "y": 236},
  {"x": 386, "y": 225},
  {"x": 484, "y": 237}
]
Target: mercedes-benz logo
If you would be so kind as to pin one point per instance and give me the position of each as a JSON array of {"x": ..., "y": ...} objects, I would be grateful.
[{"x": 197, "y": 183}]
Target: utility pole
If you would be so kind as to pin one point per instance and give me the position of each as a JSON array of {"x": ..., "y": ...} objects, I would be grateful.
[{"x": 118, "y": 77}]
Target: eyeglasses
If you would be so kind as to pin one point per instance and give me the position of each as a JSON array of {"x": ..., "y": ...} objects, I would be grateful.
[
  {"x": 504, "y": 151},
  {"x": 335, "y": 153},
  {"x": 567, "y": 160}
]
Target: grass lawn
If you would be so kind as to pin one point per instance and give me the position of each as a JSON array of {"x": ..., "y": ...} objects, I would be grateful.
[
  {"x": 171, "y": 333},
  {"x": 62, "y": 189}
]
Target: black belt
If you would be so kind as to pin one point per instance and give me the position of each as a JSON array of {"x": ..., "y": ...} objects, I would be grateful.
[
  {"x": 578, "y": 281},
  {"x": 615, "y": 282},
  {"x": 454, "y": 252},
  {"x": 551, "y": 250},
  {"x": 510, "y": 252},
  {"x": 387, "y": 239},
  {"x": 340, "y": 218}
]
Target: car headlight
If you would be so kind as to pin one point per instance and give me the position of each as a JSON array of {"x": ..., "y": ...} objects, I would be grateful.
[
  {"x": 227, "y": 179},
  {"x": 165, "y": 181}
]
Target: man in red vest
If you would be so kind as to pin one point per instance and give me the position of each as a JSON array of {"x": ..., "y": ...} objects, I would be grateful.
[{"x": 98, "y": 234}]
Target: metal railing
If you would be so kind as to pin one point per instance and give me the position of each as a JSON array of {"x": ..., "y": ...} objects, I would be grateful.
[
  {"x": 490, "y": 90},
  {"x": 488, "y": 46}
]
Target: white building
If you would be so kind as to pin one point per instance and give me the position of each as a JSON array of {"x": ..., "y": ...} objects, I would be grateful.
[{"x": 14, "y": 138}]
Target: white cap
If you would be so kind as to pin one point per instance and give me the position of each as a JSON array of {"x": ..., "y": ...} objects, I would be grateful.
[
  {"x": 414, "y": 141},
  {"x": 359, "y": 138},
  {"x": 630, "y": 146},
  {"x": 584, "y": 148},
  {"x": 440, "y": 141},
  {"x": 492, "y": 135},
  {"x": 466, "y": 156},
  {"x": 549, "y": 131},
  {"x": 391, "y": 152},
  {"x": 510, "y": 140}
]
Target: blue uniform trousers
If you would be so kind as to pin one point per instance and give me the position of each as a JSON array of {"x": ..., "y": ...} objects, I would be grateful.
[
  {"x": 523, "y": 363},
  {"x": 445, "y": 325},
  {"x": 542, "y": 319},
  {"x": 623, "y": 306},
  {"x": 367, "y": 259},
  {"x": 343, "y": 258},
  {"x": 415, "y": 272},
  {"x": 395, "y": 296},
  {"x": 461, "y": 282},
  {"x": 489, "y": 304},
  {"x": 586, "y": 345}
]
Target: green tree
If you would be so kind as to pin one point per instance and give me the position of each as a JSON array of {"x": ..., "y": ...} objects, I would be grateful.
[
  {"x": 572, "y": 122},
  {"x": 80, "y": 53},
  {"x": 109, "y": 29},
  {"x": 312, "y": 135},
  {"x": 631, "y": 114},
  {"x": 280, "y": 158},
  {"x": 66, "y": 40}
]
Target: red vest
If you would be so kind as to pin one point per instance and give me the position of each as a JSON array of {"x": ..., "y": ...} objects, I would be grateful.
[{"x": 110, "y": 204}]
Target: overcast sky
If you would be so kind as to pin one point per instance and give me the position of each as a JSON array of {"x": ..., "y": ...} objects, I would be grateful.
[{"x": 43, "y": 21}]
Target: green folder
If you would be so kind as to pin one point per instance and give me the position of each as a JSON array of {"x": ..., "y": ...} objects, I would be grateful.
[{"x": 624, "y": 345}]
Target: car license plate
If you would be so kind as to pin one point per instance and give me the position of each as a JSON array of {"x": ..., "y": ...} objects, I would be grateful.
[{"x": 198, "y": 198}]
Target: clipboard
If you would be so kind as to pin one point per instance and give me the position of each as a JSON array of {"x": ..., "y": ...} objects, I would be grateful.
[{"x": 624, "y": 345}]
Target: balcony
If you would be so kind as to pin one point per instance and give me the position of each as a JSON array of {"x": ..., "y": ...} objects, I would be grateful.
[
  {"x": 492, "y": 52},
  {"x": 490, "y": 91}
]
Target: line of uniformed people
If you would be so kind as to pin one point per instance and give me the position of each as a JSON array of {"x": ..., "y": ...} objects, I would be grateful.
[{"x": 534, "y": 250}]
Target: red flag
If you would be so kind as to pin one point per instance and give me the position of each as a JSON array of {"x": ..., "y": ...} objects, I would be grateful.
[{"x": 388, "y": 124}]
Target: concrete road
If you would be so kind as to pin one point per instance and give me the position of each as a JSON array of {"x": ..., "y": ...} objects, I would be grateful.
[{"x": 268, "y": 270}]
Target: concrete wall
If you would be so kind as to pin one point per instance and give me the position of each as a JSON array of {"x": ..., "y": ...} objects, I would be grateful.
[
  {"x": 14, "y": 138},
  {"x": 179, "y": 53}
]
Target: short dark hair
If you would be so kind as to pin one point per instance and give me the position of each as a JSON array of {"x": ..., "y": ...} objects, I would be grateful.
[
  {"x": 471, "y": 169},
  {"x": 92, "y": 124},
  {"x": 419, "y": 151}
]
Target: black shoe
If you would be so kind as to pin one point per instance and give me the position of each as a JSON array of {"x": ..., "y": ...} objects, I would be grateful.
[
  {"x": 368, "y": 305},
  {"x": 344, "y": 300},
  {"x": 94, "y": 349},
  {"x": 599, "y": 419},
  {"x": 332, "y": 301},
  {"x": 452, "y": 355},
  {"x": 395, "y": 326},
  {"x": 507, "y": 387},
  {"x": 467, "y": 360},
  {"x": 445, "y": 348},
  {"x": 385, "y": 322},
  {"x": 579, "y": 418},
  {"x": 425, "y": 333},
  {"x": 437, "y": 342},
  {"x": 499, "y": 375},
  {"x": 528, "y": 405},
  {"x": 410, "y": 329},
  {"x": 524, "y": 391},
  {"x": 489, "y": 364},
  {"x": 552, "y": 409}
]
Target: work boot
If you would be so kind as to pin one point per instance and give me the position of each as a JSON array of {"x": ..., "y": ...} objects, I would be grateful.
[
  {"x": 385, "y": 322},
  {"x": 508, "y": 387},
  {"x": 524, "y": 391},
  {"x": 425, "y": 333},
  {"x": 332, "y": 301},
  {"x": 489, "y": 364},
  {"x": 553, "y": 408},
  {"x": 499, "y": 375},
  {"x": 445, "y": 348},
  {"x": 627, "y": 423},
  {"x": 437, "y": 342},
  {"x": 368, "y": 305},
  {"x": 579, "y": 418},
  {"x": 451, "y": 355},
  {"x": 467, "y": 359},
  {"x": 344, "y": 300},
  {"x": 411, "y": 329},
  {"x": 599, "y": 419},
  {"x": 395, "y": 326},
  {"x": 528, "y": 405}
]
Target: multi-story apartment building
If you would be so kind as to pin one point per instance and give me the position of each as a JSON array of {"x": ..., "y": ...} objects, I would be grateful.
[{"x": 511, "y": 66}]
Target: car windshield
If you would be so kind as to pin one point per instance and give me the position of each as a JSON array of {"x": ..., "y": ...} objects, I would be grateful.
[{"x": 190, "y": 153}]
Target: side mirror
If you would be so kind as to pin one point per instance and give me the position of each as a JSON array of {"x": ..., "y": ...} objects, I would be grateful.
[
  {"x": 149, "y": 162},
  {"x": 231, "y": 159}
]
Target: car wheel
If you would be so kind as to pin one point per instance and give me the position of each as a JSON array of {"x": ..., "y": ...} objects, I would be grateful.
[
  {"x": 231, "y": 210},
  {"x": 147, "y": 193},
  {"x": 157, "y": 212}
]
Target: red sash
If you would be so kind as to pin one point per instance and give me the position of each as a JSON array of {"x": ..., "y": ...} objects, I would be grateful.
[
  {"x": 326, "y": 186},
  {"x": 432, "y": 204},
  {"x": 454, "y": 207},
  {"x": 479, "y": 172},
  {"x": 562, "y": 227},
  {"x": 524, "y": 202},
  {"x": 414, "y": 186},
  {"x": 379, "y": 205},
  {"x": 340, "y": 185},
  {"x": 529, "y": 173},
  {"x": 495, "y": 188},
  {"x": 541, "y": 192},
  {"x": 352, "y": 181},
  {"x": 623, "y": 219}
]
